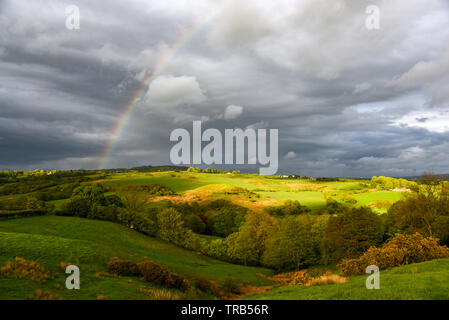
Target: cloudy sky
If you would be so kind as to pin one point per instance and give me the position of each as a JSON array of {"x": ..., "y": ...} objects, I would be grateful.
[{"x": 347, "y": 100}]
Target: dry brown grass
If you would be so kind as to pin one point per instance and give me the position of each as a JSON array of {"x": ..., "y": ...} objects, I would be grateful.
[
  {"x": 158, "y": 294},
  {"x": 307, "y": 278},
  {"x": 327, "y": 279}
]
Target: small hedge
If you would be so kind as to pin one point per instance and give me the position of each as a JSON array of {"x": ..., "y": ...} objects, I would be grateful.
[
  {"x": 155, "y": 273},
  {"x": 150, "y": 271},
  {"x": 122, "y": 267},
  {"x": 400, "y": 250},
  {"x": 208, "y": 286}
]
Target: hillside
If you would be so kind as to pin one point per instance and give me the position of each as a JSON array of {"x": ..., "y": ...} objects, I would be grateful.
[
  {"x": 51, "y": 240},
  {"x": 419, "y": 281}
]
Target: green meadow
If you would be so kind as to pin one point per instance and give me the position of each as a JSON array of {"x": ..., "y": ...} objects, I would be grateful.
[
  {"x": 57, "y": 240},
  {"x": 90, "y": 244}
]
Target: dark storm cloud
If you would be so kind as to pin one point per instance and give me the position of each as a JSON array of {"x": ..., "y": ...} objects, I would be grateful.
[{"x": 347, "y": 101}]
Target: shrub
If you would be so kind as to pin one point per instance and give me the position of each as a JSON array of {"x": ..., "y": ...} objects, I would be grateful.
[
  {"x": 398, "y": 251},
  {"x": 209, "y": 286},
  {"x": 178, "y": 282},
  {"x": 103, "y": 213},
  {"x": 138, "y": 221},
  {"x": 122, "y": 267},
  {"x": 158, "y": 190},
  {"x": 114, "y": 200},
  {"x": 154, "y": 273},
  {"x": 334, "y": 207},
  {"x": 216, "y": 248},
  {"x": 76, "y": 206},
  {"x": 289, "y": 208},
  {"x": 231, "y": 286},
  {"x": 157, "y": 274},
  {"x": 25, "y": 269}
]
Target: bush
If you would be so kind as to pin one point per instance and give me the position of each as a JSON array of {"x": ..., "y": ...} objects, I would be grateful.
[
  {"x": 122, "y": 267},
  {"x": 138, "y": 221},
  {"x": 178, "y": 282},
  {"x": 289, "y": 208},
  {"x": 208, "y": 286},
  {"x": 154, "y": 273},
  {"x": 103, "y": 213},
  {"x": 77, "y": 206},
  {"x": 114, "y": 200},
  {"x": 231, "y": 286},
  {"x": 25, "y": 269},
  {"x": 157, "y": 274},
  {"x": 399, "y": 251}
]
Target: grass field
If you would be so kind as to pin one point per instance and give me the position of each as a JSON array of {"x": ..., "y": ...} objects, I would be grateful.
[
  {"x": 308, "y": 192},
  {"x": 420, "y": 281},
  {"x": 51, "y": 240}
]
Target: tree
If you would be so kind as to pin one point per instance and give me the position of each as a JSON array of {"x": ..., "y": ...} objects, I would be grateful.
[
  {"x": 290, "y": 207},
  {"x": 93, "y": 193},
  {"x": 350, "y": 234},
  {"x": 171, "y": 226},
  {"x": 194, "y": 223},
  {"x": 242, "y": 248},
  {"x": 295, "y": 243},
  {"x": 227, "y": 221},
  {"x": 425, "y": 210}
]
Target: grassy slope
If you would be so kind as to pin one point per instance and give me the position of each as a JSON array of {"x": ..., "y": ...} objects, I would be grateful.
[
  {"x": 279, "y": 189},
  {"x": 431, "y": 282},
  {"x": 89, "y": 244}
]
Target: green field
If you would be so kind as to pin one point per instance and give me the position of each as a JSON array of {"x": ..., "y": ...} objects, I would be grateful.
[
  {"x": 420, "y": 281},
  {"x": 51, "y": 240},
  {"x": 90, "y": 244},
  {"x": 308, "y": 192}
]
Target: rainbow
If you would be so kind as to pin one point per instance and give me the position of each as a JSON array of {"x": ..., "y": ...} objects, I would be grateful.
[{"x": 143, "y": 89}]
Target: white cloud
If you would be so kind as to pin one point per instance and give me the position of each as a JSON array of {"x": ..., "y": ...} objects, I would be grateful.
[
  {"x": 424, "y": 72},
  {"x": 240, "y": 22},
  {"x": 170, "y": 91},
  {"x": 290, "y": 155},
  {"x": 434, "y": 121},
  {"x": 361, "y": 87},
  {"x": 233, "y": 112}
]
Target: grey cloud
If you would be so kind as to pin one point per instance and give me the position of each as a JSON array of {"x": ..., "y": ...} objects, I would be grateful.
[{"x": 337, "y": 92}]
